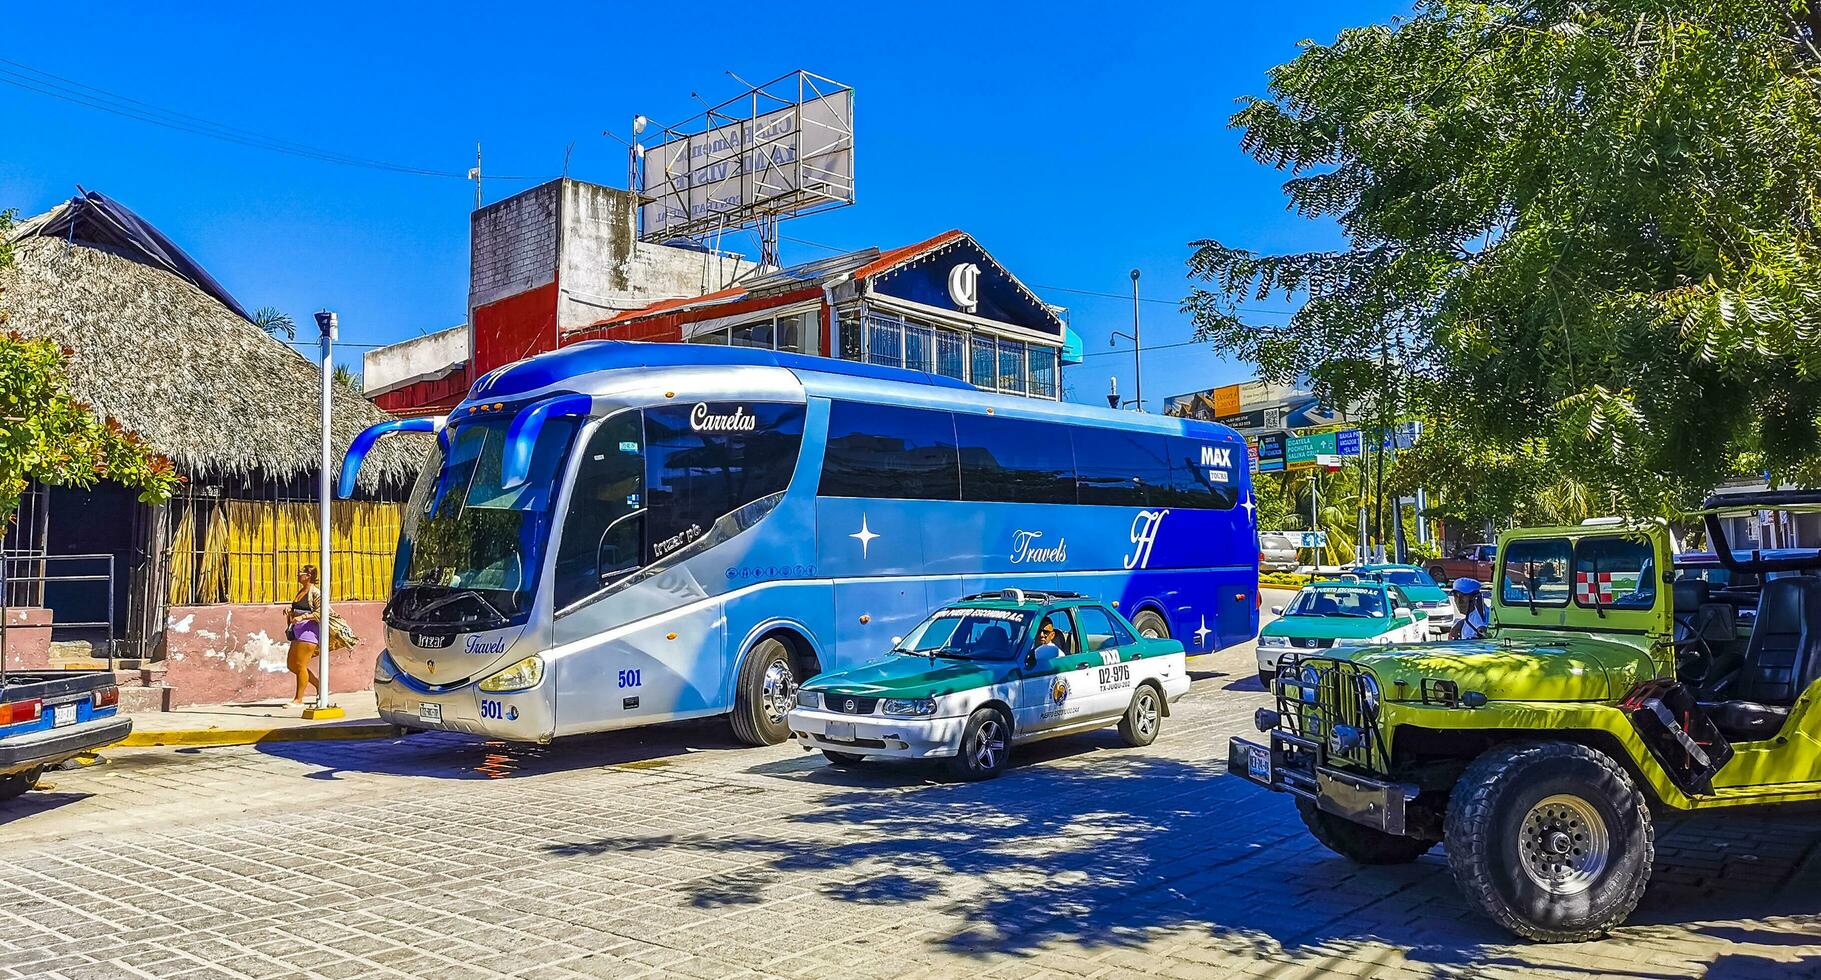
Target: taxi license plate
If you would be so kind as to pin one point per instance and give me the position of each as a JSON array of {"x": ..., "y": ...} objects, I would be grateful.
[
  {"x": 1258, "y": 762},
  {"x": 840, "y": 731},
  {"x": 63, "y": 714},
  {"x": 429, "y": 712}
]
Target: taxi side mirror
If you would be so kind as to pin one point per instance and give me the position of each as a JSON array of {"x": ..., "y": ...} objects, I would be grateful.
[
  {"x": 1277, "y": 610},
  {"x": 1030, "y": 658}
]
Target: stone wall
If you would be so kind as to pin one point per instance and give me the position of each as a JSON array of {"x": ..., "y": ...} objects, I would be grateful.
[{"x": 222, "y": 654}]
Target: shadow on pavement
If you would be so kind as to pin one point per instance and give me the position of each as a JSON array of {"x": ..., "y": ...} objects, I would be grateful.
[
  {"x": 449, "y": 755},
  {"x": 1113, "y": 847},
  {"x": 37, "y": 801}
]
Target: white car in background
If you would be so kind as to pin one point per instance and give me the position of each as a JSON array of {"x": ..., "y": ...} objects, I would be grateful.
[{"x": 1278, "y": 551}]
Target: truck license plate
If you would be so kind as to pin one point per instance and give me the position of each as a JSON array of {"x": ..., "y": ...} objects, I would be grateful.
[
  {"x": 1258, "y": 762},
  {"x": 63, "y": 714},
  {"x": 429, "y": 712},
  {"x": 840, "y": 731}
]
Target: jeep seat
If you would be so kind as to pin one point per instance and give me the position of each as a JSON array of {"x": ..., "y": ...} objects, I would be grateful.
[{"x": 1782, "y": 659}]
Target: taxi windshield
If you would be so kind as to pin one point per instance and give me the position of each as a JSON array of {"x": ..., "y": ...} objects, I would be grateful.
[
  {"x": 1403, "y": 576},
  {"x": 1362, "y": 603},
  {"x": 969, "y": 634}
]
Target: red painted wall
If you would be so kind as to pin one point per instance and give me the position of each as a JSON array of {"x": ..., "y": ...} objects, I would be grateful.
[
  {"x": 426, "y": 397},
  {"x": 513, "y": 328},
  {"x": 228, "y": 653}
]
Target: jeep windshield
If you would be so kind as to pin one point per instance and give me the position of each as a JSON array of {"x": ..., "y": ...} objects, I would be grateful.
[
  {"x": 470, "y": 549},
  {"x": 969, "y": 634}
]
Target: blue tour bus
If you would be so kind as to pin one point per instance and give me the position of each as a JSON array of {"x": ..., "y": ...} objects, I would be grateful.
[{"x": 614, "y": 534}]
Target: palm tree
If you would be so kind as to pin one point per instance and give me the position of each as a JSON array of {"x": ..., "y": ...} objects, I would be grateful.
[{"x": 276, "y": 322}]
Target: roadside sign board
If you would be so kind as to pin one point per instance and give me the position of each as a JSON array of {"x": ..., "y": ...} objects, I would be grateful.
[
  {"x": 1346, "y": 442},
  {"x": 1300, "y": 451},
  {"x": 1313, "y": 539},
  {"x": 1270, "y": 453}
]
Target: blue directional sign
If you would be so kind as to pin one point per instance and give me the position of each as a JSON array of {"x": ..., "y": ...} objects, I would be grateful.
[{"x": 1346, "y": 442}]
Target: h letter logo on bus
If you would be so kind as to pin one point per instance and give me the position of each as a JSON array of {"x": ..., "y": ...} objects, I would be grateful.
[{"x": 1144, "y": 537}]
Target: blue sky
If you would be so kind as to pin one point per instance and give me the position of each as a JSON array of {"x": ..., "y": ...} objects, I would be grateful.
[{"x": 1076, "y": 141}]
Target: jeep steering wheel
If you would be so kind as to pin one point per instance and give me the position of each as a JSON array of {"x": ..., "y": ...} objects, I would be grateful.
[{"x": 1694, "y": 658}]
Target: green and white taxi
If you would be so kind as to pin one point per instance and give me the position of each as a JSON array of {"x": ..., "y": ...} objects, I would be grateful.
[
  {"x": 989, "y": 672},
  {"x": 1349, "y": 611},
  {"x": 1417, "y": 586}
]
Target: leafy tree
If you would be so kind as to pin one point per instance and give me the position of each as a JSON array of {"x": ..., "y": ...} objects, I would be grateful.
[
  {"x": 276, "y": 322},
  {"x": 49, "y": 436},
  {"x": 1581, "y": 239},
  {"x": 347, "y": 378}
]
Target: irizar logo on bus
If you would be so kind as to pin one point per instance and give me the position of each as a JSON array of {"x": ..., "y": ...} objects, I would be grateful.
[{"x": 701, "y": 420}]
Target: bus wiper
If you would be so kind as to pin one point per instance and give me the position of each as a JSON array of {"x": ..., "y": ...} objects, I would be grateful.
[{"x": 424, "y": 610}]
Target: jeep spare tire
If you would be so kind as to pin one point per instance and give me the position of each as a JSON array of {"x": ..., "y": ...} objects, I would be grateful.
[{"x": 1552, "y": 840}]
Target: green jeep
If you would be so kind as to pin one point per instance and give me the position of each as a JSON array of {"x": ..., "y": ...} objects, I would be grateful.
[{"x": 1605, "y": 691}]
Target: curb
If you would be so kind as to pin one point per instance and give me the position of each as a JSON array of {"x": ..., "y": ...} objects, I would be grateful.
[{"x": 254, "y": 736}]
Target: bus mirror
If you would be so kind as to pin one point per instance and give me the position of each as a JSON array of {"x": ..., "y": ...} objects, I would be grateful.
[{"x": 897, "y": 641}]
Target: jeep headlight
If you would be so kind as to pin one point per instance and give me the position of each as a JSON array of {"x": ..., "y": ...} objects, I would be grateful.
[
  {"x": 809, "y": 699},
  {"x": 1368, "y": 692},
  {"x": 1273, "y": 641},
  {"x": 910, "y": 706},
  {"x": 526, "y": 673}
]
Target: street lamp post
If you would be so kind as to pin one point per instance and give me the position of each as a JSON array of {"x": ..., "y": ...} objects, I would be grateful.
[
  {"x": 326, "y": 324},
  {"x": 1137, "y": 346}
]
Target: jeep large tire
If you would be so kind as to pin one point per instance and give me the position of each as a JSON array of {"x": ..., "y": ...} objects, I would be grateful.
[
  {"x": 1551, "y": 840},
  {"x": 765, "y": 691},
  {"x": 1357, "y": 842}
]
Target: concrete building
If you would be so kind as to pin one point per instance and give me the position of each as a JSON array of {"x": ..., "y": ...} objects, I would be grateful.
[{"x": 561, "y": 263}]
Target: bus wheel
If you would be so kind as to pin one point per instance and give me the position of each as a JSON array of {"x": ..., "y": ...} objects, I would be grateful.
[
  {"x": 1552, "y": 840},
  {"x": 1143, "y": 717},
  {"x": 1150, "y": 625},
  {"x": 842, "y": 760},
  {"x": 986, "y": 746},
  {"x": 767, "y": 690}
]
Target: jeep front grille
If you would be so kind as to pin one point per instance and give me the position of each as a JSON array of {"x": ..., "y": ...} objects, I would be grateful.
[{"x": 1322, "y": 701}]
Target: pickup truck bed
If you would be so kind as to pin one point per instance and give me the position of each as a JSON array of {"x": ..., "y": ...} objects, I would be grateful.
[{"x": 48, "y": 716}]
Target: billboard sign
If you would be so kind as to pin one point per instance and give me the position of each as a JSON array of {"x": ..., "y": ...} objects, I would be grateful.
[{"x": 781, "y": 149}]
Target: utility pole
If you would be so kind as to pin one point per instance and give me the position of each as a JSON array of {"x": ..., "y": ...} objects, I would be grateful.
[
  {"x": 475, "y": 175},
  {"x": 325, "y": 638},
  {"x": 1137, "y": 348}
]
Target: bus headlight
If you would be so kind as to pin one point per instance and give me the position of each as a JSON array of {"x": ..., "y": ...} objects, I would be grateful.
[
  {"x": 809, "y": 699},
  {"x": 910, "y": 706},
  {"x": 384, "y": 669},
  {"x": 526, "y": 673}
]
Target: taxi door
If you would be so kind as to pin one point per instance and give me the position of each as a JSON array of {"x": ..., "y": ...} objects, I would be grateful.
[
  {"x": 1054, "y": 691},
  {"x": 1112, "y": 649}
]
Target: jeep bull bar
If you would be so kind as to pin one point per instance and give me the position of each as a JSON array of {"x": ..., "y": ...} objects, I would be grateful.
[{"x": 1288, "y": 765}]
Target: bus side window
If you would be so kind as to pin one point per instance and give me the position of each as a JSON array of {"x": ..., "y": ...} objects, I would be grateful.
[
  {"x": 1015, "y": 460},
  {"x": 706, "y": 460},
  {"x": 604, "y": 530},
  {"x": 1120, "y": 468},
  {"x": 887, "y": 451}
]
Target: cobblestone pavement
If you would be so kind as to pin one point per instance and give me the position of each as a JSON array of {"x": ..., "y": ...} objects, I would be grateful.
[{"x": 670, "y": 852}]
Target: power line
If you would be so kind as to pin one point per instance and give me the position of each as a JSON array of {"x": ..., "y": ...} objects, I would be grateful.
[
  {"x": 1127, "y": 352},
  {"x": 1067, "y": 289},
  {"x": 38, "y": 81}
]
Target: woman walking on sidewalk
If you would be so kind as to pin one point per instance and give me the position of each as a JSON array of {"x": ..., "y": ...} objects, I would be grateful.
[{"x": 306, "y": 633}]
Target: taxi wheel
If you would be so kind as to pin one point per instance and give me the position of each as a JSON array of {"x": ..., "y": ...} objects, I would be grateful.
[
  {"x": 17, "y": 783},
  {"x": 986, "y": 746},
  {"x": 842, "y": 759},
  {"x": 1267, "y": 678},
  {"x": 1151, "y": 626},
  {"x": 1143, "y": 717},
  {"x": 766, "y": 692}
]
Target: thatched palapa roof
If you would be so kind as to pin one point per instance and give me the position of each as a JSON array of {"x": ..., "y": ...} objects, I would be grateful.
[{"x": 161, "y": 349}]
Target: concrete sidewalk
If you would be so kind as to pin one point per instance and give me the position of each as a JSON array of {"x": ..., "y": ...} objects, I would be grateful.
[{"x": 254, "y": 722}]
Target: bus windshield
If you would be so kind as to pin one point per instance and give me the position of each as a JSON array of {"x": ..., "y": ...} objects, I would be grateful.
[{"x": 469, "y": 550}]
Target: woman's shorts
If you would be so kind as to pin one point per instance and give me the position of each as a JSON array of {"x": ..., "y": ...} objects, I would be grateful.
[{"x": 306, "y": 631}]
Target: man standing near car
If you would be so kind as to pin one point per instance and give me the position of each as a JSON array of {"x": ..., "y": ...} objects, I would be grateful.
[{"x": 1470, "y": 616}]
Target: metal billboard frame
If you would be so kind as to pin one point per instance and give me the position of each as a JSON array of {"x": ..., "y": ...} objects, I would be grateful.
[{"x": 768, "y": 190}]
